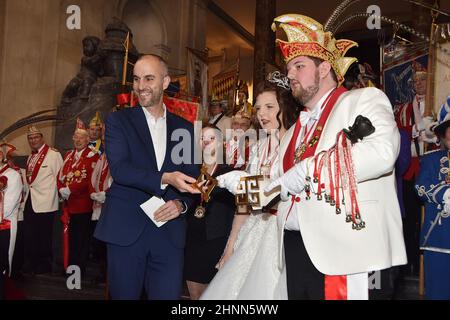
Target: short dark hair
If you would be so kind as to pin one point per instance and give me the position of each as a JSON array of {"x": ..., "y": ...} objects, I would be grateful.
[
  {"x": 318, "y": 61},
  {"x": 288, "y": 107}
]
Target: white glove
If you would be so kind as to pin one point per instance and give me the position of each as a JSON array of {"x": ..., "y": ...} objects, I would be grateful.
[
  {"x": 429, "y": 125},
  {"x": 446, "y": 196},
  {"x": 291, "y": 182},
  {"x": 446, "y": 201},
  {"x": 447, "y": 208},
  {"x": 98, "y": 196},
  {"x": 230, "y": 180},
  {"x": 415, "y": 132},
  {"x": 65, "y": 193}
]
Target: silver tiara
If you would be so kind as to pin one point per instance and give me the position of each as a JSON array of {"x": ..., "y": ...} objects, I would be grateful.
[{"x": 279, "y": 79}]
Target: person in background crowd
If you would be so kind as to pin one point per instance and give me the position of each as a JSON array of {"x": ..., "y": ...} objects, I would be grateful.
[
  {"x": 237, "y": 146},
  {"x": 100, "y": 182},
  {"x": 10, "y": 196},
  {"x": 96, "y": 142},
  {"x": 433, "y": 188},
  {"x": 410, "y": 118},
  {"x": 217, "y": 116},
  {"x": 41, "y": 202},
  {"x": 73, "y": 185}
]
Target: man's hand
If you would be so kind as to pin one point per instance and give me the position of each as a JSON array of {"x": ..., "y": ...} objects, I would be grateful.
[
  {"x": 429, "y": 125},
  {"x": 98, "y": 196},
  {"x": 291, "y": 182},
  {"x": 168, "y": 211},
  {"x": 180, "y": 181}
]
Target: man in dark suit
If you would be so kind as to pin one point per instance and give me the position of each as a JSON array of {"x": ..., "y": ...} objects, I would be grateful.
[{"x": 143, "y": 164}]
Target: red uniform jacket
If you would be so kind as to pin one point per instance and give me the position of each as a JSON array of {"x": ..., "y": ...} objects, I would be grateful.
[
  {"x": 77, "y": 176},
  {"x": 404, "y": 118}
]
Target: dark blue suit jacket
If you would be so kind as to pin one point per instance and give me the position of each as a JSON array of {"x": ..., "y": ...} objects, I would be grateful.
[
  {"x": 132, "y": 161},
  {"x": 431, "y": 186}
]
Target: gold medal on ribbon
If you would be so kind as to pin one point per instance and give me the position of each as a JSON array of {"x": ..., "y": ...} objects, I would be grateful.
[
  {"x": 205, "y": 184},
  {"x": 200, "y": 212}
]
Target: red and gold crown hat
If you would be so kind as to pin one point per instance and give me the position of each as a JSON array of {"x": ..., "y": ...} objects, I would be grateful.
[
  {"x": 241, "y": 114},
  {"x": 7, "y": 150},
  {"x": 306, "y": 37},
  {"x": 33, "y": 130},
  {"x": 96, "y": 121},
  {"x": 80, "y": 127}
]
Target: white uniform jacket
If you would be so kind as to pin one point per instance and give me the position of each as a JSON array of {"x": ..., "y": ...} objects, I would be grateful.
[
  {"x": 333, "y": 246},
  {"x": 43, "y": 190}
]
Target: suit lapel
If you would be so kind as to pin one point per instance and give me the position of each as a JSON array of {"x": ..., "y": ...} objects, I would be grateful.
[
  {"x": 170, "y": 126},
  {"x": 140, "y": 123}
]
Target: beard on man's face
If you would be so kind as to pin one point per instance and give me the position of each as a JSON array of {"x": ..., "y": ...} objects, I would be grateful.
[
  {"x": 153, "y": 99},
  {"x": 304, "y": 95}
]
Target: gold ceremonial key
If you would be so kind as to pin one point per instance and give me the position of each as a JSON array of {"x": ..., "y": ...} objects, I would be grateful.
[
  {"x": 205, "y": 180},
  {"x": 241, "y": 196},
  {"x": 248, "y": 191}
]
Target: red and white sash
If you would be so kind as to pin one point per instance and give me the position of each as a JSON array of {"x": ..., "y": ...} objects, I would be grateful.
[
  {"x": 4, "y": 224},
  {"x": 34, "y": 164},
  {"x": 101, "y": 175}
]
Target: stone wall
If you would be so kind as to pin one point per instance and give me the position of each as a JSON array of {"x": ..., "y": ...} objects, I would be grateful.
[{"x": 39, "y": 54}]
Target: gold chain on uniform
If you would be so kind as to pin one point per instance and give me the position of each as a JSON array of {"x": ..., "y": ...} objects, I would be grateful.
[{"x": 301, "y": 149}]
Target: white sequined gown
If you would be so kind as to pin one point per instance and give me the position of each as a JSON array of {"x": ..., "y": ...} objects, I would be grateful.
[{"x": 253, "y": 270}]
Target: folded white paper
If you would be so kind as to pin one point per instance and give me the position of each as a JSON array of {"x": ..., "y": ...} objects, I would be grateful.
[{"x": 150, "y": 206}]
